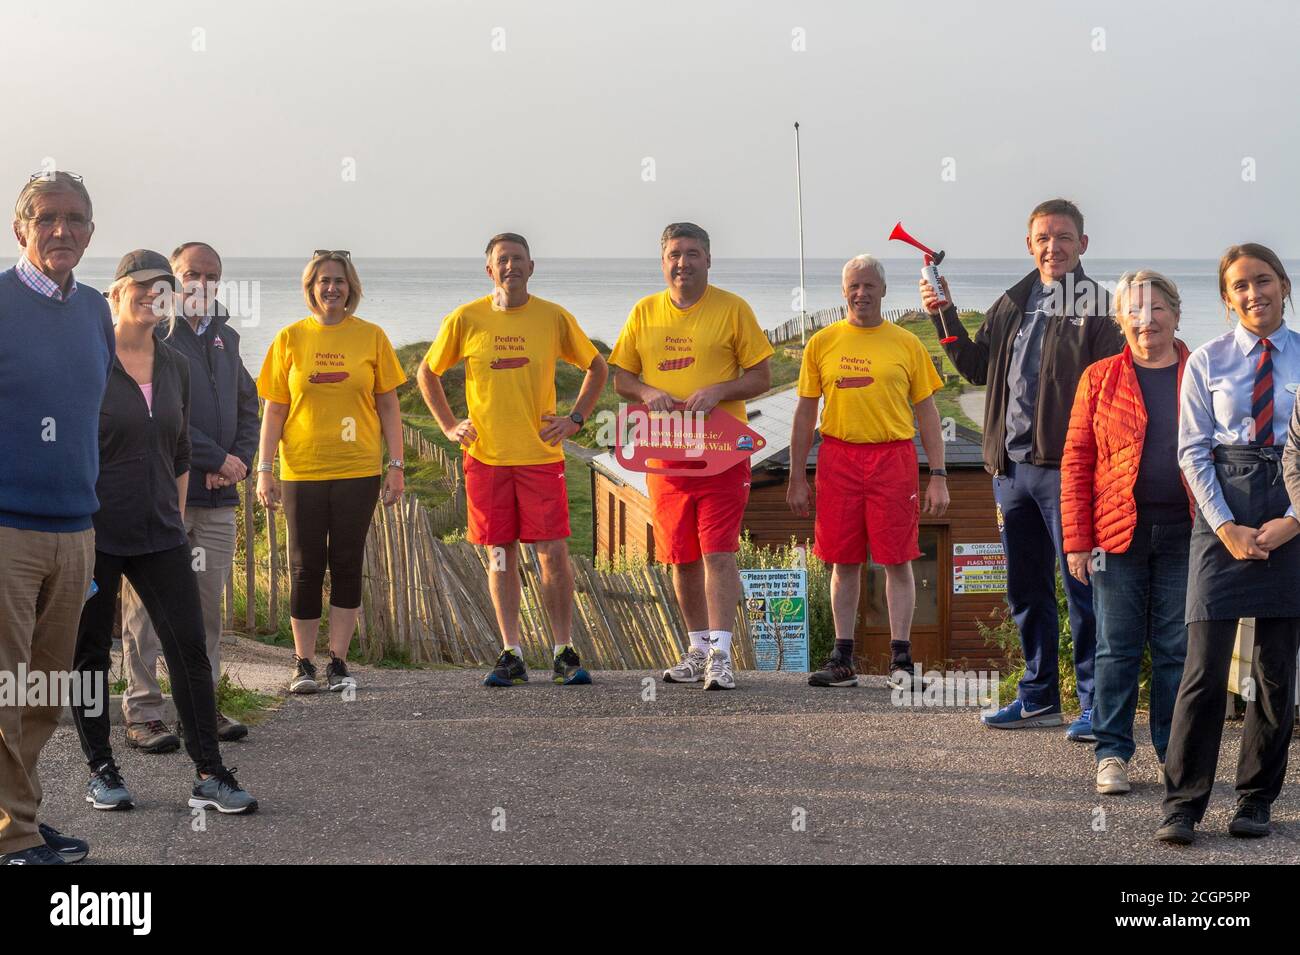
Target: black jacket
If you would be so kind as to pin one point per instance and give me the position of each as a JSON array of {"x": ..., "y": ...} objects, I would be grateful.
[
  {"x": 141, "y": 456},
  {"x": 1085, "y": 333},
  {"x": 223, "y": 405}
]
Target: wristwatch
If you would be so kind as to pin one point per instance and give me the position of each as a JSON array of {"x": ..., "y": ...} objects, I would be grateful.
[
  {"x": 397, "y": 463},
  {"x": 577, "y": 419},
  {"x": 266, "y": 466},
  {"x": 938, "y": 472}
]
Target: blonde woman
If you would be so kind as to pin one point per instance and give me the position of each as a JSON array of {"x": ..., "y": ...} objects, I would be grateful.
[
  {"x": 144, "y": 470},
  {"x": 330, "y": 384}
]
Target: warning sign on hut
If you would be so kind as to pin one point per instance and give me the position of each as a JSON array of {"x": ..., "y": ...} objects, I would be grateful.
[{"x": 979, "y": 569}]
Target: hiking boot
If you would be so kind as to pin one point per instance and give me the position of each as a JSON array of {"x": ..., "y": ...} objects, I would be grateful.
[
  {"x": 337, "y": 676},
  {"x": 509, "y": 670},
  {"x": 222, "y": 792},
  {"x": 1251, "y": 821},
  {"x": 304, "y": 676},
  {"x": 690, "y": 669},
  {"x": 152, "y": 736},
  {"x": 107, "y": 791},
  {"x": 834, "y": 672},
  {"x": 568, "y": 669},
  {"x": 67, "y": 848},
  {"x": 229, "y": 730},
  {"x": 1112, "y": 777},
  {"x": 718, "y": 674},
  {"x": 1178, "y": 829}
]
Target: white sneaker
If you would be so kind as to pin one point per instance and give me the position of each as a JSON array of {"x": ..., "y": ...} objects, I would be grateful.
[
  {"x": 718, "y": 674},
  {"x": 1112, "y": 776},
  {"x": 689, "y": 670}
]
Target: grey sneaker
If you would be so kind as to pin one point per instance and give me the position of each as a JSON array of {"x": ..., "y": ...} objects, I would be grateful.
[
  {"x": 304, "y": 676},
  {"x": 690, "y": 669},
  {"x": 337, "y": 676},
  {"x": 717, "y": 672},
  {"x": 222, "y": 792},
  {"x": 107, "y": 791},
  {"x": 1112, "y": 777}
]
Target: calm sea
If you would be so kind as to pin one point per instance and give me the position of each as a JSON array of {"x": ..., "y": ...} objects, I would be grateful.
[{"x": 408, "y": 297}]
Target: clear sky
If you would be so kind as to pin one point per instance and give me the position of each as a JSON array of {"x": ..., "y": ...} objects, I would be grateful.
[{"x": 589, "y": 125}]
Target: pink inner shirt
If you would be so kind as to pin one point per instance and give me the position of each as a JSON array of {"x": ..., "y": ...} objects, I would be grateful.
[{"x": 148, "y": 395}]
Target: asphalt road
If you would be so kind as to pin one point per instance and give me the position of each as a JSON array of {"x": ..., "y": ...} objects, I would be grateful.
[{"x": 432, "y": 767}]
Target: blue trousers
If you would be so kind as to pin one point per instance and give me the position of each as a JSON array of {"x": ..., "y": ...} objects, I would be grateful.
[
  {"x": 1029, "y": 503},
  {"x": 1140, "y": 596}
]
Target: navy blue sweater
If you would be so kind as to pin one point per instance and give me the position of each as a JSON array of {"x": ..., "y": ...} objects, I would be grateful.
[{"x": 54, "y": 363}]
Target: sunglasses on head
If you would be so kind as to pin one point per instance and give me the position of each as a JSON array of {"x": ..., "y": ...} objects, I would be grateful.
[
  {"x": 343, "y": 252},
  {"x": 50, "y": 174}
]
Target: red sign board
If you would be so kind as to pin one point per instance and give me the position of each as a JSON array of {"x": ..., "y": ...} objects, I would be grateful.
[{"x": 679, "y": 443}]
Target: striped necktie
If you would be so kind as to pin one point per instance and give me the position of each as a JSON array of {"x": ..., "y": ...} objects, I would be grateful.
[{"x": 1261, "y": 399}]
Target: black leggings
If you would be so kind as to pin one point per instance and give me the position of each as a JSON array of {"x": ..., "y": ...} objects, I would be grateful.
[
  {"x": 328, "y": 522},
  {"x": 1197, "y": 729},
  {"x": 169, "y": 591}
]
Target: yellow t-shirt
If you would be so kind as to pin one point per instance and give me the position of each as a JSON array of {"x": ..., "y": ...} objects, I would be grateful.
[
  {"x": 870, "y": 378},
  {"x": 510, "y": 357},
  {"x": 329, "y": 375},
  {"x": 680, "y": 352}
]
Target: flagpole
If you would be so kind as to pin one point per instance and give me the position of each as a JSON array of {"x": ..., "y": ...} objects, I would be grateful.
[{"x": 798, "y": 191}]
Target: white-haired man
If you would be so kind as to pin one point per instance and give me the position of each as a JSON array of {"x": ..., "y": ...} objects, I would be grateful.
[{"x": 872, "y": 376}]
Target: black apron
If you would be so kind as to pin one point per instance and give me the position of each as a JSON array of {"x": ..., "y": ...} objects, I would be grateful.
[{"x": 1220, "y": 587}]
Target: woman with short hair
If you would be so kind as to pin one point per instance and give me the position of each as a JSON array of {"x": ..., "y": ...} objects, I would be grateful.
[
  {"x": 144, "y": 470},
  {"x": 1126, "y": 517},
  {"x": 1237, "y": 397},
  {"x": 330, "y": 384}
]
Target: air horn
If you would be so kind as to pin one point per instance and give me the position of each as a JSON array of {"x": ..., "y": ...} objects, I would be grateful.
[{"x": 930, "y": 273}]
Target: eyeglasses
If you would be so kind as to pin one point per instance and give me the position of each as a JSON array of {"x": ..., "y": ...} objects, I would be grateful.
[
  {"x": 51, "y": 173},
  {"x": 49, "y": 220},
  {"x": 343, "y": 252}
]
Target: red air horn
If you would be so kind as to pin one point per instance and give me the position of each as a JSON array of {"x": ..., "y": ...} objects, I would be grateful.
[{"x": 930, "y": 273}]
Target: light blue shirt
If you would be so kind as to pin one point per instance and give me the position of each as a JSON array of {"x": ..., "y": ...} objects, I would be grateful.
[{"x": 1215, "y": 406}]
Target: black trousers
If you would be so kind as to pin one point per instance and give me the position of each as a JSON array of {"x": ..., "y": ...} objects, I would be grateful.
[
  {"x": 327, "y": 523},
  {"x": 170, "y": 593},
  {"x": 1197, "y": 730}
]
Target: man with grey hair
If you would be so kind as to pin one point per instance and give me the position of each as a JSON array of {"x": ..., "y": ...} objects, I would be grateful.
[
  {"x": 870, "y": 376},
  {"x": 698, "y": 344},
  {"x": 58, "y": 349},
  {"x": 224, "y": 432}
]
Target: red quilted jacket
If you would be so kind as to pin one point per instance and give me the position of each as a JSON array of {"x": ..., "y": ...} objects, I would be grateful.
[{"x": 1103, "y": 449}]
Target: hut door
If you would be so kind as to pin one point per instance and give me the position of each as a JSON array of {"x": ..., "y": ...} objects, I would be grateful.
[{"x": 929, "y": 620}]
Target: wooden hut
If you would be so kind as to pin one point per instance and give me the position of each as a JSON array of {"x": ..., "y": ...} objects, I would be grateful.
[{"x": 960, "y": 576}]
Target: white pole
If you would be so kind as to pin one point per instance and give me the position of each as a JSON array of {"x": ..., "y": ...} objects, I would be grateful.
[{"x": 798, "y": 191}]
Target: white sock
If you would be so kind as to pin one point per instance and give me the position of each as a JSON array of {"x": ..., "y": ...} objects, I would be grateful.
[
  {"x": 559, "y": 648},
  {"x": 700, "y": 640},
  {"x": 515, "y": 650},
  {"x": 721, "y": 640}
]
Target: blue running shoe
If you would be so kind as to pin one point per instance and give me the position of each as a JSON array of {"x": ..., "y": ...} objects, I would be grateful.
[
  {"x": 568, "y": 669},
  {"x": 1080, "y": 730},
  {"x": 509, "y": 670},
  {"x": 1015, "y": 716}
]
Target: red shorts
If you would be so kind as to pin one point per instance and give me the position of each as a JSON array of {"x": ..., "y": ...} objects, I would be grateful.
[
  {"x": 868, "y": 502},
  {"x": 698, "y": 515},
  {"x": 515, "y": 502}
]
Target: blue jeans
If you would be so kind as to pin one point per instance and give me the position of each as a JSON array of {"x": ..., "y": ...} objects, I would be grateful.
[
  {"x": 1029, "y": 499},
  {"x": 1140, "y": 596}
]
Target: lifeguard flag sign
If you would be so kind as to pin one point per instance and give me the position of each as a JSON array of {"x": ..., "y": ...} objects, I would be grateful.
[{"x": 678, "y": 443}]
